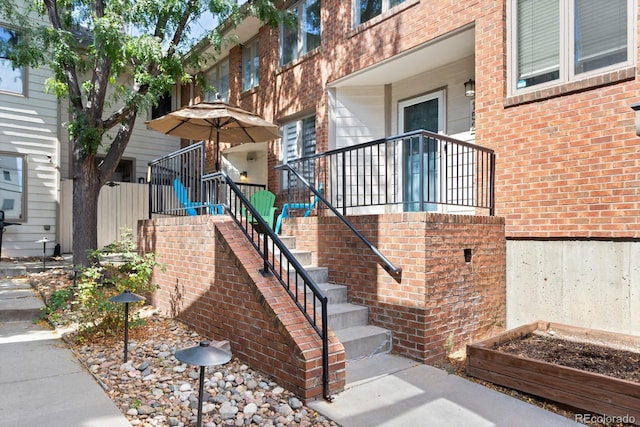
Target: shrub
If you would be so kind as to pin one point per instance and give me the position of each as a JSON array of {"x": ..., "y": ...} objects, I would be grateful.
[
  {"x": 58, "y": 300},
  {"x": 94, "y": 312}
]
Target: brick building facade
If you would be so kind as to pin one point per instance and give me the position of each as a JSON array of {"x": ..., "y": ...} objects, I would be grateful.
[{"x": 568, "y": 169}]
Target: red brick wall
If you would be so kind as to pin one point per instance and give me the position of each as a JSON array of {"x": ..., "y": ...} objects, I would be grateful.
[
  {"x": 567, "y": 157},
  {"x": 567, "y": 163},
  {"x": 212, "y": 283},
  {"x": 440, "y": 302}
]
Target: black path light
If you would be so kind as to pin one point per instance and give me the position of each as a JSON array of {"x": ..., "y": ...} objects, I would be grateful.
[
  {"x": 203, "y": 355},
  {"x": 44, "y": 242},
  {"x": 126, "y": 297}
]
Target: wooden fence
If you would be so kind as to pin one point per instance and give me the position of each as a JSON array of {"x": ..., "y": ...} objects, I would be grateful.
[{"x": 119, "y": 206}]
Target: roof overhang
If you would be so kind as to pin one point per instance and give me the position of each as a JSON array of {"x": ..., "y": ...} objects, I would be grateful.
[{"x": 433, "y": 54}]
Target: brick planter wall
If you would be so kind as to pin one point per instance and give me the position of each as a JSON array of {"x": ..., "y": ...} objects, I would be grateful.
[
  {"x": 440, "y": 302},
  {"x": 212, "y": 283}
]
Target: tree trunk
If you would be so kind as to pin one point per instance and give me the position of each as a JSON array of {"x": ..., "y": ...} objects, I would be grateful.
[{"x": 86, "y": 188}]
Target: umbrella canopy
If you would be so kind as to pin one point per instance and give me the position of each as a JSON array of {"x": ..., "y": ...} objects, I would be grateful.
[{"x": 215, "y": 121}]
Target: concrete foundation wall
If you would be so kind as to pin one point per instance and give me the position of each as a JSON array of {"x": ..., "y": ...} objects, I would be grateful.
[{"x": 591, "y": 284}]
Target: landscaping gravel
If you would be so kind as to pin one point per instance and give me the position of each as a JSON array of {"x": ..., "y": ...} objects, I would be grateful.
[{"x": 155, "y": 389}]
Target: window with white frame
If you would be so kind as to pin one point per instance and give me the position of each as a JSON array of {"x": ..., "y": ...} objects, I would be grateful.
[
  {"x": 10, "y": 78},
  {"x": 250, "y": 65},
  {"x": 365, "y": 10},
  {"x": 304, "y": 35},
  {"x": 12, "y": 187},
  {"x": 299, "y": 140},
  {"x": 218, "y": 82},
  {"x": 557, "y": 41}
]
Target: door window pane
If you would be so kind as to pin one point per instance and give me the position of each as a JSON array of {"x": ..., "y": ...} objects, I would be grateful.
[{"x": 421, "y": 163}]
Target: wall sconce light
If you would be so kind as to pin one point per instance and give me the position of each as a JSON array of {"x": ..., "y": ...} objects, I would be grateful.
[
  {"x": 470, "y": 88},
  {"x": 244, "y": 176}
]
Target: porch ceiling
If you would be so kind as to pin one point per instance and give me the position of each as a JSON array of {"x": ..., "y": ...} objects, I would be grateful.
[
  {"x": 245, "y": 148},
  {"x": 428, "y": 56}
]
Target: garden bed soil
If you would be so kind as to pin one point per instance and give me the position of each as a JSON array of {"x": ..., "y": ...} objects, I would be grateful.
[{"x": 593, "y": 370}]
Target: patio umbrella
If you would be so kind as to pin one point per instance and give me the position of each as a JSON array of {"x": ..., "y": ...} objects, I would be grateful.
[{"x": 215, "y": 121}]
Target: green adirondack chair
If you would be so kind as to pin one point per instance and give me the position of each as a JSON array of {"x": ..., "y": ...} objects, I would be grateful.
[{"x": 263, "y": 201}]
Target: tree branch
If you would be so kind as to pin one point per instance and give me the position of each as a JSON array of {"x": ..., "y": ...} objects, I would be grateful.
[
  {"x": 177, "y": 36},
  {"x": 75, "y": 95},
  {"x": 113, "y": 156},
  {"x": 101, "y": 73}
]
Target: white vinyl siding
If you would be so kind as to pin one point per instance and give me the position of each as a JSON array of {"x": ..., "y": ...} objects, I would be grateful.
[{"x": 359, "y": 115}]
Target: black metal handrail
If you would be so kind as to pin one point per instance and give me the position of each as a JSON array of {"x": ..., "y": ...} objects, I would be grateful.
[
  {"x": 386, "y": 264},
  {"x": 417, "y": 171},
  {"x": 217, "y": 190}
]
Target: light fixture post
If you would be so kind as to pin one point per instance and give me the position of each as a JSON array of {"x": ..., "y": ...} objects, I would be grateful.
[{"x": 126, "y": 297}]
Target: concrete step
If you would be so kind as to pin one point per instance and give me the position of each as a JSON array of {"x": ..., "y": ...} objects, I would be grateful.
[
  {"x": 289, "y": 241},
  {"x": 363, "y": 341},
  {"x": 317, "y": 274},
  {"x": 345, "y": 315},
  {"x": 305, "y": 258},
  {"x": 18, "y": 301},
  {"x": 13, "y": 271},
  {"x": 348, "y": 321},
  {"x": 336, "y": 294}
]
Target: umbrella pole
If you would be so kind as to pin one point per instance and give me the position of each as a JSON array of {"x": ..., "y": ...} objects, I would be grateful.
[{"x": 217, "y": 150}]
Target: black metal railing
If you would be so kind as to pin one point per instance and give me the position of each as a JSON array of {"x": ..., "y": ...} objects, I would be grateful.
[
  {"x": 300, "y": 191},
  {"x": 176, "y": 185},
  {"x": 217, "y": 193},
  {"x": 416, "y": 171}
]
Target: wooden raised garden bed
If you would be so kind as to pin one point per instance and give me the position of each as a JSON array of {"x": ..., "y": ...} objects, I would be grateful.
[{"x": 593, "y": 392}]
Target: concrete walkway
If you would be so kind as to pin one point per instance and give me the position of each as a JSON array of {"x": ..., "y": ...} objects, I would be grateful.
[
  {"x": 406, "y": 393},
  {"x": 41, "y": 382}
]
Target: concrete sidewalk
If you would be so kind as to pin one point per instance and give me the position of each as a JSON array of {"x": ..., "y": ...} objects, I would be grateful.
[
  {"x": 41, "y": 382},
  {"x": 407, "y": 393}
]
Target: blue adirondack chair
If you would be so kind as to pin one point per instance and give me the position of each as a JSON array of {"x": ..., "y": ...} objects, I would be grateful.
[
  {"x": 183, "y": 197},
  {"x": 288, "y": 206},
  {"x": 264, "y": 202}
]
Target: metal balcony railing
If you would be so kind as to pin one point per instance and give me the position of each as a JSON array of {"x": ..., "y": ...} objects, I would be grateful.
[{"x": 415, "y": 171}]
